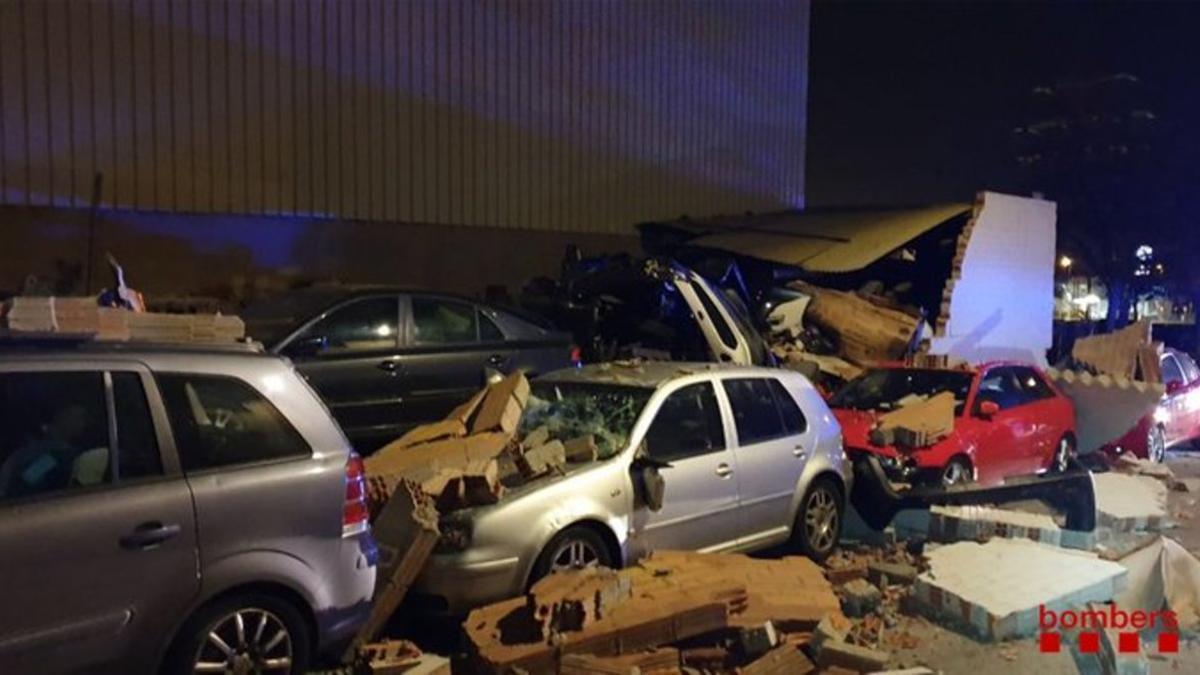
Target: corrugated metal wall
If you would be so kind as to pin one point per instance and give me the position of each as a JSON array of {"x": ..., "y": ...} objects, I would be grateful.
[{"x": 578, "y": 115}]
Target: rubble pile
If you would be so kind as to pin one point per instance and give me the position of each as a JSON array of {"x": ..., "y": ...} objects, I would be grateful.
[
  {"x": 874, "y": 586},
  {"x": 835, "y": 334},
  {"x": 711, "y": 612}
]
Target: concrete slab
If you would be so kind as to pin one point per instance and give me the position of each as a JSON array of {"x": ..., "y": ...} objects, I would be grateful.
[
  {"x": 975, "y": 523},
  {"x": 994, "y": 590},
  {"x": 1125, "y": 503}
]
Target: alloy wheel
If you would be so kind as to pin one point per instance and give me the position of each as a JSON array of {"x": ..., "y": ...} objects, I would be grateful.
[
  {"x": 574, "y": 554},
  {"x": 821, "y": 519},
  {"x": 248, "y": 641}
]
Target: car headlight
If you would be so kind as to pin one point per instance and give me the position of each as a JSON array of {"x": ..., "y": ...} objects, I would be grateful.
[{"x": 455, "y": 531}]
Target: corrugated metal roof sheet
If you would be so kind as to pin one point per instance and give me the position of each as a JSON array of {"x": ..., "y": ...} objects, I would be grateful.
[{"x": 825, "y": 241}]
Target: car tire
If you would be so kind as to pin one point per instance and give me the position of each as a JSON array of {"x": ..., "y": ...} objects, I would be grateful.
[
  {"x": 576, "y": 547},
  {"x": 818, "y": 525},
  {"x": 1064, "y": 453},
  {"x": 275, "y": 615},
  {"x": 1156, "y": 444},
  {"x": 957, "y": 471}
]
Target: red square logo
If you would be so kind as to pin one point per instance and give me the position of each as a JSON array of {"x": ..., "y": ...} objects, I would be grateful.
[
  {"x": 1089, "y": 643},
  {"x": 1050, "y": 643},
  {"x": 1168, "y": 643},
  {"x": 1129, "y": 643}
]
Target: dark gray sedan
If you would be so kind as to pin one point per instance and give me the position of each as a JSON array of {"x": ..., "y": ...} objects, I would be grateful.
[{"x": 385, "y": 360}]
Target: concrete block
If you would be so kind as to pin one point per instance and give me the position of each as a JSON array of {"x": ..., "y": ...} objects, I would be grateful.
[
  {"x": 757, "y": 640},
  {"x": 993, "y": 590},
  {"x": 853, "y": 657},
  {"x": 859, "y": 598},
  {"x": 891, "y": 573},
  {"x": 1126, "y": 503}
]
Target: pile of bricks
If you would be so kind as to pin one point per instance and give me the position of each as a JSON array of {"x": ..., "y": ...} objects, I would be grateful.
[
  {"x": 85, "y": 317},
  {"x": 720, "y": 613}
]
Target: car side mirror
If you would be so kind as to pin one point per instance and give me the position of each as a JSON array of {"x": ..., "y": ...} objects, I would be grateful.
[
  {"x": 309, "y": 345},
  {"x": 648, "y": 482},
  {"x": 1174, "y": 387},
  {"x": 988, "y": 409}
]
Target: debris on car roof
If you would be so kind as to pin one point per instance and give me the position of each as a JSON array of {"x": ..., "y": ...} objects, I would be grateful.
[
  {"x": 85, "y": 317},
  {"x": 918, "y": 424}
]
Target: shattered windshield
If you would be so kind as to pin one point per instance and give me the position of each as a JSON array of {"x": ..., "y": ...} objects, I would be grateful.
[
  {"x": 891, "y": 388},
  {"x": 572, "y": 409}
]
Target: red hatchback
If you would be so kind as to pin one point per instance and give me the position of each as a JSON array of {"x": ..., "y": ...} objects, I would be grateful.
[
  {"x": 1175, "y": 421},
  {"x": 1009, "y": 421}
]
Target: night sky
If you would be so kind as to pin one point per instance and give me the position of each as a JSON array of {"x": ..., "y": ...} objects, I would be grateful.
[{"x": 916, "y": 102}]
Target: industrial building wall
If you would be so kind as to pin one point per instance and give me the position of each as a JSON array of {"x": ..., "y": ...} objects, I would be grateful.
[{"x": 569, "y": 115}]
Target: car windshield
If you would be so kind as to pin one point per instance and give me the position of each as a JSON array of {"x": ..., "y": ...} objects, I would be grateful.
[
  {"x": 572, "y": 409},
  {"x": 887, "y": 389}
]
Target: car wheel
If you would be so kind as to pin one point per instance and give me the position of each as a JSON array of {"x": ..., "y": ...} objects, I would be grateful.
[
  {"x": 1156, "y": 444},
  {"x": 957, "y": 472},
  {"x": 818, "y": 524},
  {"x": 1063, "y": 455},
  {"x": 572, "y": 549},
  {"x": 251, "y": 633}
]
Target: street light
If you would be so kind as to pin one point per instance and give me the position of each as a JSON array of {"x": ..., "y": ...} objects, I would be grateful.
[{"x": 1065, "y": 262}]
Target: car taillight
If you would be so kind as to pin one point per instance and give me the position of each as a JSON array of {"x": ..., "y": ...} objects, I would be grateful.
[
  {"x": 355, "y": 514},
  {"x": 576, "y": 356}
]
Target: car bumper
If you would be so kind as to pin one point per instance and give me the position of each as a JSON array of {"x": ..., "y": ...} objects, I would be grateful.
[
  {"x": 350, "y": 594},
  {"x": 452, "y": 584}
]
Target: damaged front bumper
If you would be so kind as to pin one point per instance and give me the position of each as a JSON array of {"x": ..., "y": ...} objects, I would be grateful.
[{"x": 878, "y": 501}]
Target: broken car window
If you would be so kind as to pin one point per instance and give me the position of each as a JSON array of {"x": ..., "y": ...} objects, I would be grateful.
[
  {"x": 570, "y": 410},
  {"x": 883, "y": 389},
  {"x": 1171, "y": 371}
]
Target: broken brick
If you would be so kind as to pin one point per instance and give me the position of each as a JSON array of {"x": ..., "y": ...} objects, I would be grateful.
[
  {"x": 859, "y": 597},
  {"x": 581, "y": 450},
  {"x": 883, "y": 573},
  {"x": 784, "y": 660},
  {"x": 853, "y": 657}
]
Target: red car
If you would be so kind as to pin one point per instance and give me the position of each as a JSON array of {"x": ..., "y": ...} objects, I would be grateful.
[
  {"x": 1009, "y": 421},
  {"x": 1175, "y": 421}
]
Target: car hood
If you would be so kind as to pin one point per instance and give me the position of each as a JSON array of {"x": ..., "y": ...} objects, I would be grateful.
[{"x": 856, "y": 433}]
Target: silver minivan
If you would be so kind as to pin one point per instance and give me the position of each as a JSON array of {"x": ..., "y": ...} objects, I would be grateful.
[
  {"x": 173, "y": 510},
  {"x": 707, "y": 457}
]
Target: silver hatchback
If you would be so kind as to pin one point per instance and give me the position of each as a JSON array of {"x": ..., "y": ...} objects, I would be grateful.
[
  {"x": 173, "y": 510},
  {"x": 692, "y": 456}
]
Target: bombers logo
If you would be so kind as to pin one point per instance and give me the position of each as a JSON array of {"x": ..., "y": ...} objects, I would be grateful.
[{"x": 1089, "y": 623}]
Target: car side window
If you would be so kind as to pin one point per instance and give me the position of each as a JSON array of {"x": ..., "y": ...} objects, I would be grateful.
[
  {"x": 755, "y": 412},
  {"x": 222, "y": 421},
  {"x": 1000, "y": 386},
  {"x": 488, "y": 330},
  {"x": 1032, "y": 384},
  {"x": 53, "y": 433},
  {"x": 370, "y": 324},
  {"x": 688, "y": 424},
  {"x": 439, "y": 322},
  {"x": 137, "y": 445},
  {"x": 794, "y": 421},
  {"x": 1171, "y": 372}
]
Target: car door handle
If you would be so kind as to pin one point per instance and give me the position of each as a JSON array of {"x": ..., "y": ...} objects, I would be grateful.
[
  {"x": 389, "y": 366},
  {"x": 723, "y": 470},
  {"x": 496, "y": 360},
  {"x": 148, "y": 535},
  {"x": 798, "y": 451}
]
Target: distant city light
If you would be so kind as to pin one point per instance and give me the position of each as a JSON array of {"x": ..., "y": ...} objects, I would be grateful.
[
  {"x": 1065, "y": 262},
  {"x": 1145, "y": 252}
]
